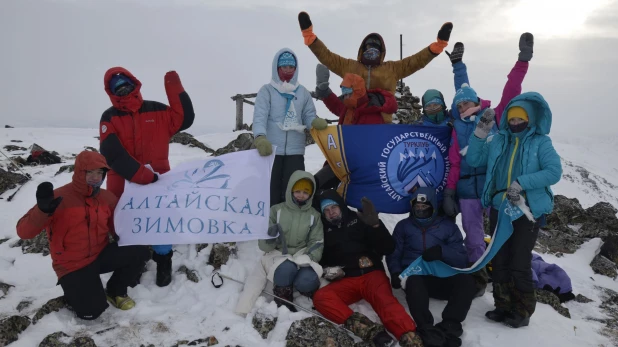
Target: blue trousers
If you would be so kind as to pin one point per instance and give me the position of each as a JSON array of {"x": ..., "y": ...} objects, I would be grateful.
[
  {"x": 305, "y": 280},
  {"x": 162, "y": 249}
]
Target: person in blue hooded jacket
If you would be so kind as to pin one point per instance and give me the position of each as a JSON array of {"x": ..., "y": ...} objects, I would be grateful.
[
  {"x": 521, "y": 164},
  {"x": 283, "y": 110},
  {"x": 425, "y": 234}
]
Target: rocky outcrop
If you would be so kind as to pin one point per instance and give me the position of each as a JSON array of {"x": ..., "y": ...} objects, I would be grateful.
[
  {"x": 39, "y": 244},
  {"x": 315, "y": 332},
  {"x": 11, "y": 327},
  {"x": 551, "y": 299},
  {"x": 243, "y": 142},
  {"x": 187, "y": 139},
  {"x": 55, "y": 340},
  {"x": 65, "y": 168},
  {"x": 53, "y": 305},
  {"x": 264, "y": 323},
  {"x": 409, "y": 108},
  {"x": 603, "y": 266},
  {"x": 10, "y": 180}
]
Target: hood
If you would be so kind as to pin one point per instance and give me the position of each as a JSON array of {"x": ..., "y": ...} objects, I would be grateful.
[
  {"x": 87, "y": 161},
  {"x": 360, "y": 48},
  {"x": 275, "y": 75},
  {"x": 431, "y": 94},
  {"x": 539, "y": 114},
  {"x": 431, "y": 196},
  {"x": 127, "y": 103},
  {"x": 297, "y": 176},
  {"x": 332, "y": 195},
  {"x": 357, "y": 84}
]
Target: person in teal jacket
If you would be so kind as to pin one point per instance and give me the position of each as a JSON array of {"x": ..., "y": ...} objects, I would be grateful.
[{"x": 521, "y": 164}]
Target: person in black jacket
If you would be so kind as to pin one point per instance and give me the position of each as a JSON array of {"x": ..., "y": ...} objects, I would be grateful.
[{"x": 354, "y": 245}]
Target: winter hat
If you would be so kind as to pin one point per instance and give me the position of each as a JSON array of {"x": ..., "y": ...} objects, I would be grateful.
[
  {"x": 118, "y": 80},
  {"x": 286, "y": 59},
  {"x": 303, "y": 184},
  {"x": 327, "y": 202},
  {"x": 517, "y": 112},
  {"x": 465, "y": 93},
  {"x": 432, "y": 96}
]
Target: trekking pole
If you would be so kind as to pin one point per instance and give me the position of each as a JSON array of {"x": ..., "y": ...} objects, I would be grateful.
[
  {"x": 14, "y": 163},
  {"x": 338, "y": 326}
]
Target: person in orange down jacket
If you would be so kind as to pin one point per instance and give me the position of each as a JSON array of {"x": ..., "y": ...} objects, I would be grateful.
[
  {"x": 135, "y": 133},
  {"x": 370, "y": 64},
  {"x": 77, "y": 219}
]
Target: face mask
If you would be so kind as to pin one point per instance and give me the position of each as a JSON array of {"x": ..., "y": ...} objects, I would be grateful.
[
  {"x": 371, "y": 55},
  {"x": 95, "y": 184},
  {"x": 436, "y": 118},
  {"x": 124, "y": 90},
  {"x": 518, "y": 128},
  {"x": 423, "y": 214},
  {"x": 285, "y": 76}
]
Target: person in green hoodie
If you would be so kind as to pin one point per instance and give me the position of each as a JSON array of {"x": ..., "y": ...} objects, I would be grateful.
[{"x": 291, "y": 256}]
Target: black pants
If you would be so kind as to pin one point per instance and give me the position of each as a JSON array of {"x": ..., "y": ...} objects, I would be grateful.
[
  {"x": 83, "y": 289},
  {"x": 283, "y": 167},
  {"x": 326, "y": 178},
  {"x": 459, "y": 290}
]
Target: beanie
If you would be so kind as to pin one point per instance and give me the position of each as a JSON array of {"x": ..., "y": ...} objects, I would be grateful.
[
  {"x": 119, "y": 80},
  {"x": 517, "y": 112},
  {"x": 327, "y": 202},
  {"x": 286, "y": 59},
  {"x": 432, "y": 96},
  {"x": 303, "y": 184},
  {"x": 465, "y": 93}
]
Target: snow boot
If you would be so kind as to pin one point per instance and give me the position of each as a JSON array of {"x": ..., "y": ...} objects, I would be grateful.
[
  {"x": 164, "y": 268},
  {"x": 497, "y": 315},
  {"x": 429, "y": 335},
  {"x": 411, "y": 339},
  {"x": 363, "y": 327},
  {"x": 452, "y": 331},
  {"x": 515, "y": 320},
  {"x": 123, "y": 302},
  {"x": 383, "y": 339},
  {"x": 287, "y": 294}
]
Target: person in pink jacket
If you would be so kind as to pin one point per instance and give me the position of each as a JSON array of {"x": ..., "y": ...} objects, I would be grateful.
[{"x": 465, "y": 184}]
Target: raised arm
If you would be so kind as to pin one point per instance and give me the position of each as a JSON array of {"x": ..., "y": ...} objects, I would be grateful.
[{"x": 181, "y": 114}]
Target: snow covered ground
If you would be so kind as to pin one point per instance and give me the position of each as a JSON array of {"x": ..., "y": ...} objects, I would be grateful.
[{"x": 187, "y": 311}]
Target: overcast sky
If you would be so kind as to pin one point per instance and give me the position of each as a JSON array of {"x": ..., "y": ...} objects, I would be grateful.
[{"x": 54, "y": 53}]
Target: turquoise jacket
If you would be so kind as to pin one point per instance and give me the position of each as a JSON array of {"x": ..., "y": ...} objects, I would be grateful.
[{"x": 539, "y": 164}]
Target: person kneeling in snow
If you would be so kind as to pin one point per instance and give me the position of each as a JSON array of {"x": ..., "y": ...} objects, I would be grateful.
[
  {"x": 77, "y": 218},
  {"x": 292, "y": 255},
  {"x": 424, "y": 234},
  {"x": 354, "y": 247}
]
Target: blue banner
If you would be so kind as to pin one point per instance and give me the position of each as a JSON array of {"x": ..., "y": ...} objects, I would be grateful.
[
  {"x": 386, "y": 163},
  {"x": 504, "y": 229}
]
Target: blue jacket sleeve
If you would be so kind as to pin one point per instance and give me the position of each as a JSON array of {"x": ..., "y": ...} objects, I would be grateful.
[
  {"x": 453, "y": 252},
  {"x": 478, "y": 151},
  {"x": 460, "y": 72},
  {"x": 308, "y": 113},
  {"x": 261, "y": 110},
  {"x": 551, "y": 168},
  {"x": 393, "y": 260}
]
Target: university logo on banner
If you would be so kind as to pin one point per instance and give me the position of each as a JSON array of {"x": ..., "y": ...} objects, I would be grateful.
[
  {"x": 221, "y": 199},
  {"x": 386, "y": 163}
]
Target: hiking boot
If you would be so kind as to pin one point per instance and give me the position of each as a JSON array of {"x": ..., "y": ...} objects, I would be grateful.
[
  {"x": 515, "y": 320},
  {"x": 410, "y": 339},
  {"x": 362, "y": 326},
  {"x": 383, "y": 339},
  {"x": 287, "y": 294},
  {"x": 450, "y": 328},
  {"x": 497, "y": 315},
  {"x": 123, "y": 302},
  {"x": 164, "y": 268}
]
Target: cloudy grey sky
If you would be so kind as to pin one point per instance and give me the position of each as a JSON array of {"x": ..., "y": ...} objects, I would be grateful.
[{"x": 55, "y": 52}]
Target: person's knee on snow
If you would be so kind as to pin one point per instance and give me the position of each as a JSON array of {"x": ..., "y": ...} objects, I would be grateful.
[
  {"x": 285, "y": 274},
  {"x": 306, "y": 281}
]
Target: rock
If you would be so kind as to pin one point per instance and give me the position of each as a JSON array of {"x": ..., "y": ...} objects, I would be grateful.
[
  {"x": 55, "y": 340},
  {"x": 609, "y": 306},
  {"x": 11, "y": 148},
  {"x": 10, "y": 180},
  {"x": 191, "y": 274},
  {"x": 582, "y": 299},
  {"x": 308, "y": 138},
  {"x": 39, "y": 244},
  {"x": 4, "y": 288},
  {"x": 243, "y": 142},
  {"x": 24, "y": 304},
  {"x": 264, "y": 323},
  {"x": 11, "y": 327},
  {"x": 200, "y": 246},
  {"x": 603, "y": 266},
  {"x": 601, "y": 221},
  {"x": 315, "y": 332},
  {"x": 245, "y": 127},
  {"x": 609, "y": 249},
  {"x": 220, "y": 254},
  {"x": 409, "y": 109},
  {"x": 53, "y": 305},
  {"x": 188, "y": 140},
  {"x": 209, "y": 341},
  {"x": 65, "y": 168},
  {"x": 8, "y": 127},
  {"x": 17, "y": 141},
  {"x": 91, "y": 149},
  {"x": 551, "y": 299},
  {"x": 566, "y": 211},
  {"x": 4, "y": 240}
]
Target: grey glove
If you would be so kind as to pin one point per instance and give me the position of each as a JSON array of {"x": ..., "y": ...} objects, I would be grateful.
[
  {"x": 485, "y": 124},
  {"x": 333, "y": 273},
  {"x": 275, "y": 232},
  {"x": 322, "y": 75},
  {"x": 526, "y": 43},
  {"x": 449, "y": 205},
  {"x": 513, "y": 192},
  {"x": 368, "y": 213}
]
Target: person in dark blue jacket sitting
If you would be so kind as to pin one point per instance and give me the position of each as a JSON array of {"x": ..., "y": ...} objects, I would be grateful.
[{"x": 424, "y": 234}]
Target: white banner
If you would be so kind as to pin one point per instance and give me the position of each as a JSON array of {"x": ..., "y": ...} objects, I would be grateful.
[{"x": 219, "y": 199}]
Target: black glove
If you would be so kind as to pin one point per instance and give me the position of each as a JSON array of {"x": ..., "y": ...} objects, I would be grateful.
[
  {"x": 433, "y": 253},
  {"x": 449, "y": 205},
  {"x": 368, "y": 214},
  {"x": 395, "y": 280},
  {"x": 526, "y": 44},
  {"x": 304, "y": 20},
  {"x": 457, "y": 55},
  {"x": 45, "y": 198},
  {"x": 155, "y": 178},
  {"x": 445, "y": 31}
]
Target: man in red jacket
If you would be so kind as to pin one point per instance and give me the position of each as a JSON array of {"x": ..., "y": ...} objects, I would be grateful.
[
  {"x": 135, "y": 133},
  {"x": 77, "y": 218}
]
